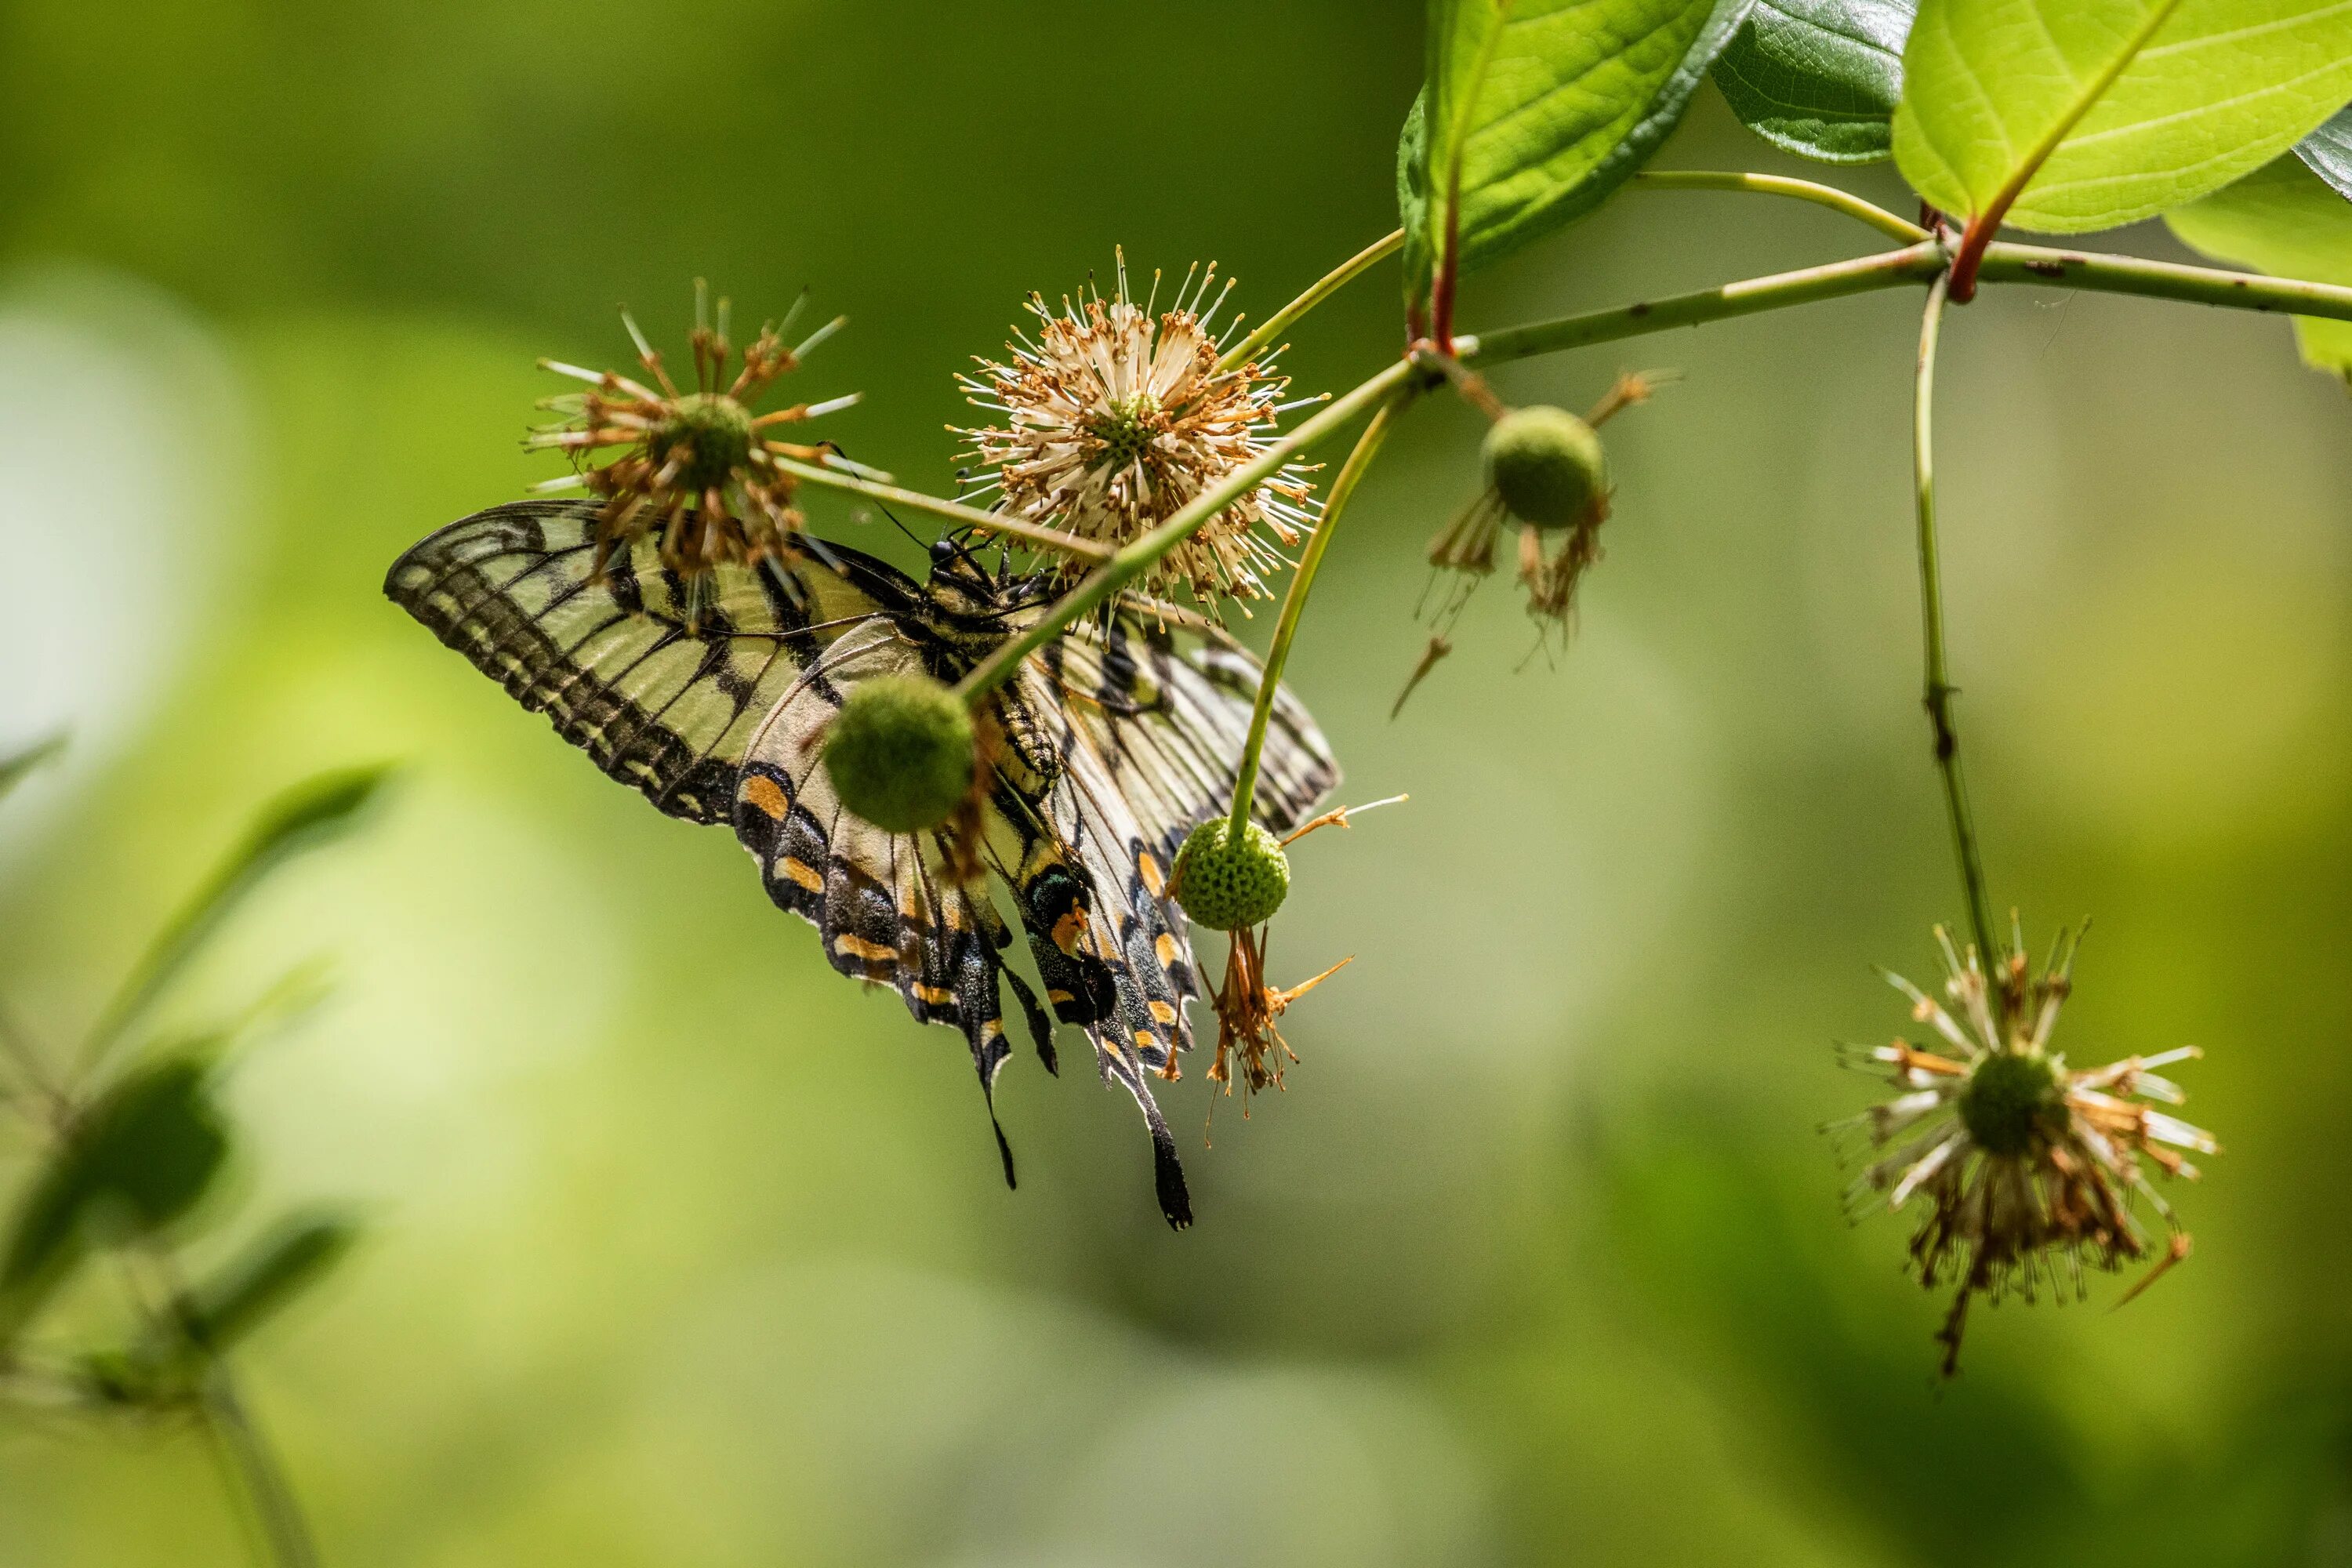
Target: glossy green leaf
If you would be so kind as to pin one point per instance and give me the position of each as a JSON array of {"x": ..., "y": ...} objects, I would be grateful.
[
  {"x": 1413, "y": 200},
  {"x": 2327, "y": 152},
  {"x": 140, "y": 1157},
  {"x": 1538, "y": 110},
  {"x": 1818, "y": 77},
  {"x": 14, "y": 766},
  {"x": 312, "y": 813},
  {"x": 2072, "y": 115},
  {"x": 266, "y": 1279},
  {"x": 2282, "y": 219}
]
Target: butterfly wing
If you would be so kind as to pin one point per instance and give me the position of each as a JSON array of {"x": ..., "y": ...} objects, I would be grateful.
[
  {"x": 713, "y": 705},
  {"x": 671, "y": 691},
  {"x": 662, "y": 687},
  {"x": 887, "y": 911},
  {"x": 1148, "y": 730}
]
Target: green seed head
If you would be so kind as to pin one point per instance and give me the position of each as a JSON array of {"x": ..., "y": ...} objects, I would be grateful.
[
  {"x": 2011, "y": 1098},
  {"x": 1227, "y": 883},
  {"x": 1546, "y": 465},
  {"x": 1127, "y": 429},
  {"x": 901, "y": 753},
  {"x": 715, "y": 432}
]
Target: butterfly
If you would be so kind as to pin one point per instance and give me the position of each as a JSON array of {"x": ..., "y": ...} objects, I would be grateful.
[{"x": 711, "y": 695}]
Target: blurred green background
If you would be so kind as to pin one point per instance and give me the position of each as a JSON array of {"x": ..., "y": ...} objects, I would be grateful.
[{"x": 685, "y": 1252}]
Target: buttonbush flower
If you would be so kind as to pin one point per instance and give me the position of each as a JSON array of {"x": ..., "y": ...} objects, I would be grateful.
[
  {"x": 696, "y": 468},
  {"x": 1114, "y": 418},
  {"x": 2022, "y": 1167}
]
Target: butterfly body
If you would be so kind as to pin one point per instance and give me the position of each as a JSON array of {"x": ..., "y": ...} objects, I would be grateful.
[{"x": 711, "y": 696}]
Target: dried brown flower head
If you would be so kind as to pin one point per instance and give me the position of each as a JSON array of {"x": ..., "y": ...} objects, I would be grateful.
[
  {"x": 1114, "y": 418},
  {"x": 1248, "y": 1009},
  {"x": 1250, "y": 1046},
  {"x": 2026, "y": 1168},
  {"x": 697, "y": 467}
]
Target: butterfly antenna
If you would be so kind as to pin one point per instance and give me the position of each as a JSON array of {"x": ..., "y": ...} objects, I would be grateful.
[{"x": 912, "y": 536}]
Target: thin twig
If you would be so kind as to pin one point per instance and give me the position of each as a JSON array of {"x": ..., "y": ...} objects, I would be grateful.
[
  {"x": 253, "y": 1469},
  {"x": 1939, "y": 689},
  {"x": 1294, "y": 602},
  {"x": 1322, "y": 289},
  {"x": 1812, "y": 191}
]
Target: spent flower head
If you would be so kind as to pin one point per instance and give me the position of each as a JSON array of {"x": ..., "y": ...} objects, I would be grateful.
[
  {"x": 2023, "y": 1167},
  {"x": 1546, "y": 471},
  {"x": 699, "y": 469},
  {"x": 1114, "y": 418}
]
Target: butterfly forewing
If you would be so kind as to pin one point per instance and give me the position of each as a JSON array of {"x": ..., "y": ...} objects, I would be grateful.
[{"x": 664, "y": 693}]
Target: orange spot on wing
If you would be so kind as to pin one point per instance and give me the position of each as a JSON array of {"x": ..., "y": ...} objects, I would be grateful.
[{"x": 767, "y": 797}]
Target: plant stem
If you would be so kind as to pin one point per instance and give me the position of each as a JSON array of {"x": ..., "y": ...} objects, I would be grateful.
[
  {"x": 254, "y": 1472},
  {"x": 1330, "y": 283},
  {"x": 1914, "y": 264},
  {"x": 955, "y": 512},
  {"x": 1921, "y": 263},
  {"x": 2107, "y": 274},
  {"x": 1830, "y": 197},
  {"x": 1939, "y": 689},
  {"x": 1131, "y": 559},
  {"x": 1294, "y": 602}
]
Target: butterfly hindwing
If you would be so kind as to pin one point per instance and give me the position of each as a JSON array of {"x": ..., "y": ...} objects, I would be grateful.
[
  {"x": 1148, "y": 734},
  {"x": 882, "y": 904}
]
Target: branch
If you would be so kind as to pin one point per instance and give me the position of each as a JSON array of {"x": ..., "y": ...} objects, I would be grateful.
[
  {"x": 1294, "y": 602},
  {"x": 1939, "y": 689},
  {"x": 1321, "y": 289},
  {"x": 1828, "y": 196},
  {"x": 1914, "y": 264},
  {"x": 2106, "y": 274}
]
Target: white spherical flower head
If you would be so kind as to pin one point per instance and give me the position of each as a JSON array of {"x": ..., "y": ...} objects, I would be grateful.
[{"x": 1114, "y": 418}]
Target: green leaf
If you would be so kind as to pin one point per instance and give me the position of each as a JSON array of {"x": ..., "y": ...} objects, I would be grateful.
[
  {"x": 15, "y": 765},
  {"x": 138, "y": 1158},
  {"x": 2282, "y": 219},
  {"x": 1413, "y": 200},
  {"x": 1819, "y": 78},
  {"x": 312, "y": 813},
  {"x": 1543, "y": 108},
  {"x": 2071, "y": 115},
  {"x": 269, "y": 1275},
  {"x": 2328, "y": 152}
]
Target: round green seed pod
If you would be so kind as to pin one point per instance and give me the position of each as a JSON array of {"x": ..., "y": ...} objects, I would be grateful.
[
  {"x": 901, "y": 753},
  {"x": 1546, "y": 465},
  {"x": 2011, "y": 1098},
  {"x": 1227, "y": 883}
]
